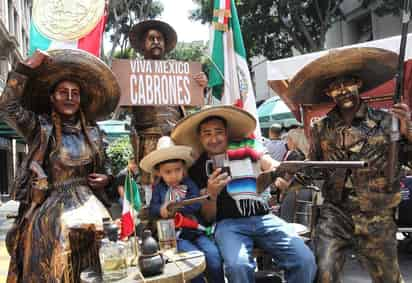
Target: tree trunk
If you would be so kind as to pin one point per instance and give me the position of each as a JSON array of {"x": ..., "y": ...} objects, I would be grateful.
[{"x": 117, "y": 35}]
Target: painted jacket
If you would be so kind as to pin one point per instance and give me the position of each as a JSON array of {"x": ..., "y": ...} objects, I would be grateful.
[{"x": 366, "y": 139}]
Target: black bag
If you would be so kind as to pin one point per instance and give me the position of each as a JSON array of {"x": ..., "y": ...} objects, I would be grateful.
[{"x": 405, "y": 206}]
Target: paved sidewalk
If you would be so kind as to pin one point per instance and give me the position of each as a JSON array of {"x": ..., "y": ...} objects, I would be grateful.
[
  {"x": 6, "y": 208},
  {"x": 4, "y": 262}
]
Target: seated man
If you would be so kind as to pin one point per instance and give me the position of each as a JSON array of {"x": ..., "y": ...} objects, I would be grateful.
[{"x": 243, "y": 219}]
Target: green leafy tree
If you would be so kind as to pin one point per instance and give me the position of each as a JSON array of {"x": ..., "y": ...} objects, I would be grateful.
[
  {"x": 128, "y": 53},
  {"x": 273, "y": 27},
  {"x": 194, "y": 51},
  {"x": 120, "y": 152}
]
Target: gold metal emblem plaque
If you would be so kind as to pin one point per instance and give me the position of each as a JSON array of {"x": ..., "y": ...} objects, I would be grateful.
[{"x": 67, "y": 19}]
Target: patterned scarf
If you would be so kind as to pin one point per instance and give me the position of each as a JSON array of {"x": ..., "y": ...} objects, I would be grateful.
[{"x": 243, "y": 161}]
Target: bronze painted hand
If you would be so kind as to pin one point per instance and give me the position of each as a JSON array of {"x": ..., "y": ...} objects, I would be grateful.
[
  {"x": 36, "y": 59},
  {"x": 403, "y": 113},
  {"x": 201, "y": 79},
  {"x": 97, "y": 181}
]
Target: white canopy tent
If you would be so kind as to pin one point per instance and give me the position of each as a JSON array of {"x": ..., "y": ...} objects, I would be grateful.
[
  {"x": 285, "y": 69},
  {"x": 280, "y": 71}
]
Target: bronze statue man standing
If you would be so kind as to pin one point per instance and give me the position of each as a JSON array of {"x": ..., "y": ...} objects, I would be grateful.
[
  {"x": 359, "y": 204},
  {"x": 153, "y": 39}
]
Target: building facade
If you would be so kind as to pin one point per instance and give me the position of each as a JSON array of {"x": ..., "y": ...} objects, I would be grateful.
[
  {"x": 362, "y": 24},
  {"x": 14, "y": 40}
]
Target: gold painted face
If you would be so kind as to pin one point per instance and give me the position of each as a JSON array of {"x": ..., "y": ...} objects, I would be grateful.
[
  {"x": 154, "y": 45},
  {"x": 345, "y": 93},
  {"x": 66, "y": 98}
]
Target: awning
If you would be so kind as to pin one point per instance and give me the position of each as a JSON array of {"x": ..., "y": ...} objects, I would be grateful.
[
  {"x": 285, "y": 69},
  {"x": 279, "y": 71},
  {"x": 9, "y": 133}
]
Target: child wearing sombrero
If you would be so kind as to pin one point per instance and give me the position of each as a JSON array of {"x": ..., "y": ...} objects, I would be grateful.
[{"x": 169, "y": 162}]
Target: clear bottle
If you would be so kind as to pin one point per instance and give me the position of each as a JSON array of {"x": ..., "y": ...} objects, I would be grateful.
[{"x": 112, "y": 255}]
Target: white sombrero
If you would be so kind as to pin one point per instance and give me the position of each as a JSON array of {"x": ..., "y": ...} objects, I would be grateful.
[
  {"x": 166, "y": 150},
  {"x": 240, "y": 124}
]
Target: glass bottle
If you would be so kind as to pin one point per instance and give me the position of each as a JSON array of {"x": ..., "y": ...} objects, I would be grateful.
[{"x": 112, "y": 255}]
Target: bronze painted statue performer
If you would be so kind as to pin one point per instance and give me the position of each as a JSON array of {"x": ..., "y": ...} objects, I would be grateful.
[
  {"x": 359, "y": 205},
  {"x": 53, "y": 100},
  {"x": 153, "y": 39}
]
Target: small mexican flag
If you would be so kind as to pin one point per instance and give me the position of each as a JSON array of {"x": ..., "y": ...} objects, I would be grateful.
[
  {"x": 131, "y": 201},
  {"x": 90, "y": 42},
  {"x": 229, "y": 76}
]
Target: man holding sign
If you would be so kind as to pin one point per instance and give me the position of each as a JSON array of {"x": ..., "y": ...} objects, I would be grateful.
[{"x": 153, "y": 39}]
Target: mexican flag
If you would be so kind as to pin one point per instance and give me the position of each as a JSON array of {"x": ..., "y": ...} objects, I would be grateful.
[
  {"x": 229, "y": 76},
  {"x": 90, "y": 42},
  {"x": 131, "y": 205}
]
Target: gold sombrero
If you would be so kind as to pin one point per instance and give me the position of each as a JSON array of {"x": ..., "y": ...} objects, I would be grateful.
[
  {"x": 240, "y": 124},
  {"x": 138, "y": 31},
  {"x": 99, "y": 88},
  {"x": 373, "y": 66}
]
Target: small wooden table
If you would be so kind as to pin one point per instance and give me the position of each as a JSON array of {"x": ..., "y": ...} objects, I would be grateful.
[{"x": 173, "y": 272}]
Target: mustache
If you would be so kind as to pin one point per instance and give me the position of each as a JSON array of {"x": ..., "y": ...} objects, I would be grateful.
[
  {"x": 215, "y": 143},
  {"x": 346, "y": 95}
]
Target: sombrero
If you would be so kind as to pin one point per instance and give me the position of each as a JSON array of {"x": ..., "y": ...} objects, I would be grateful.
[
  {"x": 138, "y": 31},
  {"x": 99, "y": 88},
  {"x": 240, "y": 124},
  {"x": 166, "y": 150},
  {"x": 373, "y": 66}
]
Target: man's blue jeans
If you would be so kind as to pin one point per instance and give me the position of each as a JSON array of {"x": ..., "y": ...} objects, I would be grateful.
[
  {"x": 236, "y": 238},
  {"x": 214, "y": 265}
]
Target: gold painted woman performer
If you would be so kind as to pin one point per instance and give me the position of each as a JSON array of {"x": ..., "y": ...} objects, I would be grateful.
[{"x": 52, "y": 101}]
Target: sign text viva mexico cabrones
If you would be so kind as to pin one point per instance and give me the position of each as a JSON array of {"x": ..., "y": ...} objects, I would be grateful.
[{"x": 156, "y": 82}]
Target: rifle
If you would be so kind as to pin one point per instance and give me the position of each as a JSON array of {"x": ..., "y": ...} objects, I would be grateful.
[
  {"x": 395, "y": 135},
  {"x": 174, "y": 206},
  {"x": 266, "y": 178}
]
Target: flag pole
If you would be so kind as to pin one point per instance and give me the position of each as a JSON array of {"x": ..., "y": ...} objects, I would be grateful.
[{"x": 135, "y": 246}]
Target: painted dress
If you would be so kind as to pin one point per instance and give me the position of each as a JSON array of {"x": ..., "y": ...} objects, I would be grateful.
[{"x": 59, "y": 239}]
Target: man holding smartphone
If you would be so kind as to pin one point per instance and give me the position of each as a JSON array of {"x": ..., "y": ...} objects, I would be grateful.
[{"x": 243, "y": 218}]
